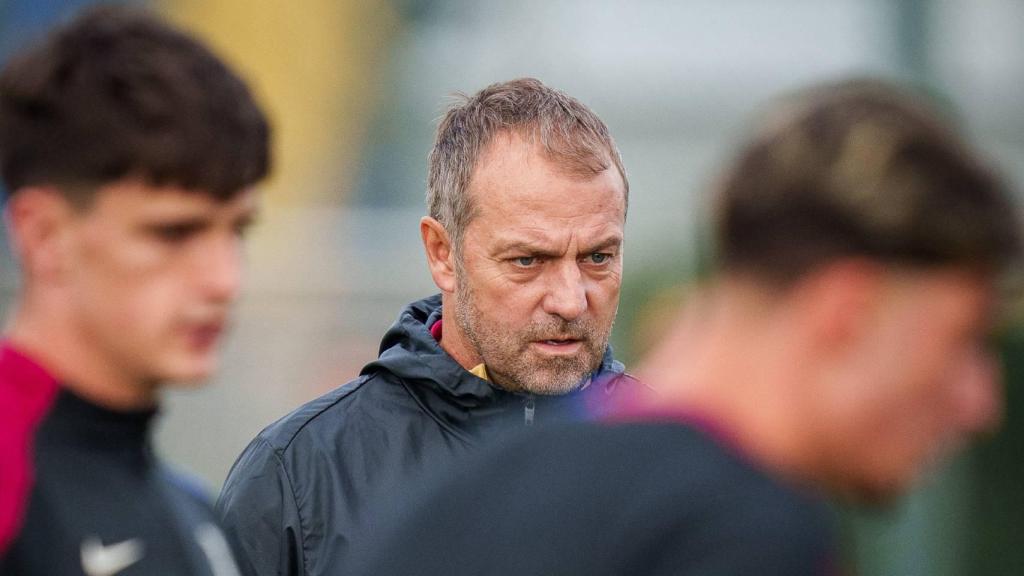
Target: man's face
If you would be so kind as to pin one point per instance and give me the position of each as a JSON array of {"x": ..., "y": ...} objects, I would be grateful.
[
  {"x": 925, "y": 382},
  {"x": 538, "y": 283},
  {"x": 152, "y": 275}
]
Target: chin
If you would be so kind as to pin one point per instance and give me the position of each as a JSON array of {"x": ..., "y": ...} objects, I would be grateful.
[
  {"x": 555, "y": 386},
  {"x": 189, "y": 382},
  {"x": 558, "y": 390},
  {"x": 877, "y": 492},
  {"x": 191, "y": 374}
]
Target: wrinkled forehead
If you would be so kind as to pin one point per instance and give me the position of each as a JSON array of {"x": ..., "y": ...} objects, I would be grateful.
[
  {"x": 577, "y": 154},
  {"x": 514, "y": 168}
]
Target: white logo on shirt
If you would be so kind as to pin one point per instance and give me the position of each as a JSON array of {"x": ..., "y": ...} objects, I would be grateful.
[
  {"x": 217, "y": 551},
  {"x": 100, "y": 560}
]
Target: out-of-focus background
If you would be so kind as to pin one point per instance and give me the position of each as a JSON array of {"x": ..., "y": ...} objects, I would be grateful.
[{"x": 355, "y": 87}]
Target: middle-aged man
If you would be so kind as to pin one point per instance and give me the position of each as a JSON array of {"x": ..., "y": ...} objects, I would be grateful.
[
  {"x": 527, "y": 200},
  {"x": 130, "y": 152},
  {"x": 841, "y": 347}
]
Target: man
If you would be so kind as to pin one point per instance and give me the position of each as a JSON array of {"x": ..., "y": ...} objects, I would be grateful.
[
  {"x": 527, "y": 200},
  {"x": 129, "y": 152},
  {"x": 840, "y": 348}
]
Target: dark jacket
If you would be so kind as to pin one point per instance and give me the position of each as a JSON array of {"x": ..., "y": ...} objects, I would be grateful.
[
  {"x": 101, "y": 501},
  {"x": 295, "y": 500}
]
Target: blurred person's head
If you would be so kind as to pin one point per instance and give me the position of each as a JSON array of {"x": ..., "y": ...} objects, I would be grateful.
[
  {"x": 527, "y": 204},
  {"x": 129, "y": 152},
  {"x": 860, "y": 243}
]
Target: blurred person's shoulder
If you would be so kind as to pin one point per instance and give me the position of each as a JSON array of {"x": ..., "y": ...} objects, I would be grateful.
[
  {"x": 623, "y": 497},
  {"x": 691, "y": 480},
  {"x": 682, "y": 454}
]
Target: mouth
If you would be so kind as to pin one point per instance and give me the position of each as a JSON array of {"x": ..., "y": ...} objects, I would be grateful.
[
  {"x": 558, "y": 346},
  {"x": 206, "y": 335}
]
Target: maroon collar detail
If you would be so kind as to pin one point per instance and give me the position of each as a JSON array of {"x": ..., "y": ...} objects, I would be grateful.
[
  {"x": 646, "y": 411},
  {"x": 27, "y": 391}
]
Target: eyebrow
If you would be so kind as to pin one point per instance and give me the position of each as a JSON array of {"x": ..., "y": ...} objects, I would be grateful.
[
  {"x": 610, "y": 242},
  {"x": 249, "y": 217},
  {"x": 527, "y": 247},
  {"x": 187, "y": 220},
  {"x": 521, "y": 246}
]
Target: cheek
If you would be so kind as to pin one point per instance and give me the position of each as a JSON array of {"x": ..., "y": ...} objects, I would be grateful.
[
  {"x": 976, "y": 397},
  {"x": 605, "y": 294},
  {"x": 603, "y": 290},
  {"x": 124, "y": 298},
  {"x": 883, "y": 450},
  {"x": 506, "y": 301},
  {"x": 134, "y": 311},
  {"x": 862, "y": 423},
  {"x": 909, "y": 423}
]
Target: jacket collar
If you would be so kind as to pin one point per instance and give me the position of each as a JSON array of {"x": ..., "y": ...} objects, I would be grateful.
[{"x": 411, "y": 353}]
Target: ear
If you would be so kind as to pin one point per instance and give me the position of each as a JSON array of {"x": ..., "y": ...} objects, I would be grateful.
[
  {"x": 839, "y": 302},
  {"x": 39, "y": 220},
  {"x": 440, "y": 253}
]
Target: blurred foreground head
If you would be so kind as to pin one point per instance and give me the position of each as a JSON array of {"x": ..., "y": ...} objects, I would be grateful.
[
  {"x": 862, "y": 241},
  {"x": 128, "y": 151}
]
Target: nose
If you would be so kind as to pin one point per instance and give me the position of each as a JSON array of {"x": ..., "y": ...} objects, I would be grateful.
[
  {"x": 566, "y": 294},
  {"x": 220, "y": 268},
  {"x": 977, "y": 398}
]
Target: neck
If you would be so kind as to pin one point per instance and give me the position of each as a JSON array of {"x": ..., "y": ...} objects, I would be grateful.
[
  {"x": 729, "y": 360},
  {"x": 42, "y": 333},
  {"x": 453, "y": 340}
]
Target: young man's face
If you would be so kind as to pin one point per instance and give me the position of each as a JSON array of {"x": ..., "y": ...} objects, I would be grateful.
[
  {"x": 151, "y": 277},
  {"x": 541, "y": 268},
  {"x": 925, "y": 382}
]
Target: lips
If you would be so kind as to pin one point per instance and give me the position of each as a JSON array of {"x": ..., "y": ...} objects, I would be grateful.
[
  {"x": 558, "y": 346},
  {"x": 206, "y": 335}
]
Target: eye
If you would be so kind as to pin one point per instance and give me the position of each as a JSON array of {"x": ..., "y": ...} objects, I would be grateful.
[
  {"x": 525, "y": 261},
  {"x": 243, "y": 227},
  {"x": 599, "y": 257},
  {"x": 176, "y": 233}
]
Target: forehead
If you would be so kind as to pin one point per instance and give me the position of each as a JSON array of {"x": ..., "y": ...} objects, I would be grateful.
[
  {"x": 131, "y": 199},
  {"x": 515, "y": 179}
]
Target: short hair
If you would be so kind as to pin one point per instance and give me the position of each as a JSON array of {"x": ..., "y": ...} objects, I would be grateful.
[
  {"x": 861, "y": 168},
  {"x": 115, "y": 93},
  {"x": 568, "y": 132}
]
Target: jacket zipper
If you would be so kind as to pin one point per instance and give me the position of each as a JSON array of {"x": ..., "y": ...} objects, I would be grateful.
[{"x": 528, "y": 410}]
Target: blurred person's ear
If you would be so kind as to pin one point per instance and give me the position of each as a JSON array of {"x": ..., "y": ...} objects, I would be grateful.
[
  {"x": 440, "y": 253},
  {"x": 839, "y": 301},
  {"x": 39, "y": 219}
]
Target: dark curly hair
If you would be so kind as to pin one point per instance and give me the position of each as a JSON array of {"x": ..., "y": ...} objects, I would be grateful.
[{"x": 118, "y": 93}]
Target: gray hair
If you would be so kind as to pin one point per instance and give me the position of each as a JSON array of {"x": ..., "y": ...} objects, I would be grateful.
[{"x": 568, "y": 132}]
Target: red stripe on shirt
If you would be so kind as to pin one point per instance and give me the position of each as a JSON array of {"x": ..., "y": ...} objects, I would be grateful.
[{"x": 27, "y": 391}]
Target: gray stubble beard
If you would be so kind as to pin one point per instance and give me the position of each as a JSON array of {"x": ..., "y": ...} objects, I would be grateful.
[{"x": 505, "y": 355}]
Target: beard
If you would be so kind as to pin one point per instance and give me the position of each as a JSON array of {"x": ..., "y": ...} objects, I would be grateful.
[{"x": 511, "y": 361}]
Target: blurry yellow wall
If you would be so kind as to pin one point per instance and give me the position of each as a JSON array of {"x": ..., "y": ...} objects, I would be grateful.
[{"x": 318, "y": 66}]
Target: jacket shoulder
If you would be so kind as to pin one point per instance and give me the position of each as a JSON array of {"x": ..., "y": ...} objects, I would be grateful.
[{"x": 325, "y": 411}]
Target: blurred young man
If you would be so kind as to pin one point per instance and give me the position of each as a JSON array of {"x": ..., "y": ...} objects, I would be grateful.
[
  {"x": 527, "y": 200},
  {"x": 129, "y": 152},
  {"x": 840, "y": 348}
]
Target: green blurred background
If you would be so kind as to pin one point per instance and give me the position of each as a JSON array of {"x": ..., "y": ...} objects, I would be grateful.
[{"x": 355, "y": 87}]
